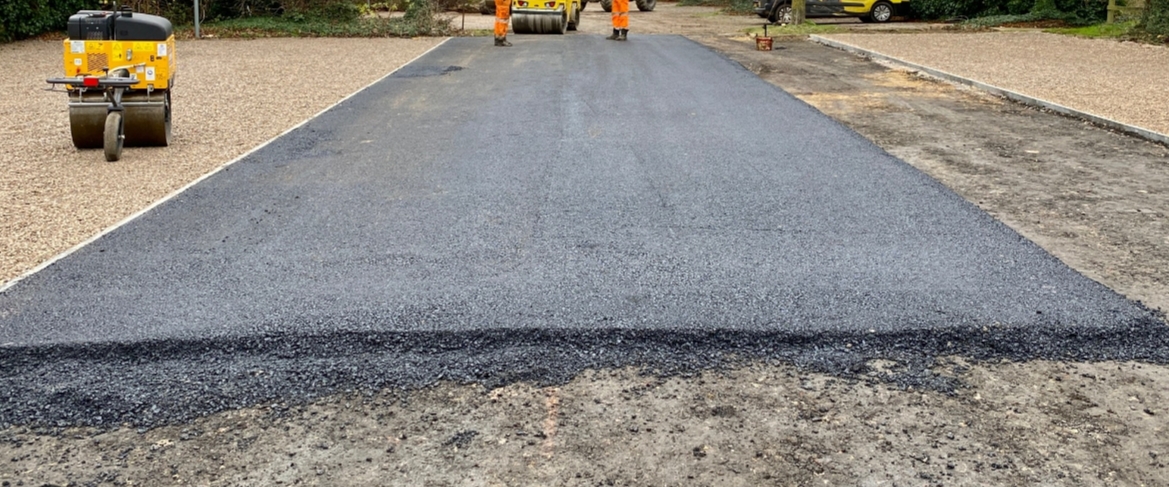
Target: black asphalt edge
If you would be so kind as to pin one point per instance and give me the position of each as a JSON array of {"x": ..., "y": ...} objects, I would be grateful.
[
  {"x": 997, "y": 91},
  {"x": 189, "y": 379},
  {"x": 4, "y": 286}
]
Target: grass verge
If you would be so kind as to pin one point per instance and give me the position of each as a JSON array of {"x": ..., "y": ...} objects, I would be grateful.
[
  {"x": 1119, "y": 30},
  {"x": 254, "y": 27},
  {"x": 808, "y": 28},
  {"x": 738, "y": 7}
]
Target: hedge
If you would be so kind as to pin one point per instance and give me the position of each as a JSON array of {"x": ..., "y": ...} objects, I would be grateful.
[
  {"x": 21, "y": 19},
  {"x": 1086, "y": 11},
  {"x": 1156, "y": 18}
]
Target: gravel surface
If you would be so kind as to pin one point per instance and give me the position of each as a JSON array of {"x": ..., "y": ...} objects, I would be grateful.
[
  {"x": 230, "y": 96},
  {"x": 1116, "y": 80}
]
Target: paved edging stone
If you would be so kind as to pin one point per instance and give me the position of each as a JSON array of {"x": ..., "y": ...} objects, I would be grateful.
[{"x": 997, "y": 91}]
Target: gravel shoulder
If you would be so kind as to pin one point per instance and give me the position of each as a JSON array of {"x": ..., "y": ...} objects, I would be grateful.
[
  {"x": 1110, "y": 79},
  {"x": 229, "y": 96}
]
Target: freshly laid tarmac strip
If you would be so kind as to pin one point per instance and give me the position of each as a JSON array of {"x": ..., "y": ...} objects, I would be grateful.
[{"x": 496, "y": 215}]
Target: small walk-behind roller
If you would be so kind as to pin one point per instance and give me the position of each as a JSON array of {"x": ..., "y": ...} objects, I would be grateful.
[
  {"x": 544, "y": 16},
  {"x": 119, "y": 70}
]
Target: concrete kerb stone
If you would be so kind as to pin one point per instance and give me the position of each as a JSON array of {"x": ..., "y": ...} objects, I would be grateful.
[{"x": 997, "y": 91}]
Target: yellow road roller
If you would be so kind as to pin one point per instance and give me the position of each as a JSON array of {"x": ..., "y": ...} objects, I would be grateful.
[
  {"x": 544, "y": 16},
  {"x": 119, "y": 70}
]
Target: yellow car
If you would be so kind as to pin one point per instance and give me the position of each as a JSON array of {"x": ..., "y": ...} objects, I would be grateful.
[{"x": 780, "y": 11}]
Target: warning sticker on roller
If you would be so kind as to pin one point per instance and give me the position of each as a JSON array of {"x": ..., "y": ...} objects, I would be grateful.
[
  {"x": 162, "y": 50},
  {"x": 77, "y": 47},
  {"x": 149, "y": 73}
]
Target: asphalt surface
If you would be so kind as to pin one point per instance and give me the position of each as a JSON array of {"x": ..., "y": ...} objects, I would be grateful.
[{"x": 495, "y": 215}]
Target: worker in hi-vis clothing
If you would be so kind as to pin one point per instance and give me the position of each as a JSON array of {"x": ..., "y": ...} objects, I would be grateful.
[
  {"x": 620, "y": 20},
  {"x": 502, "y": 15}
]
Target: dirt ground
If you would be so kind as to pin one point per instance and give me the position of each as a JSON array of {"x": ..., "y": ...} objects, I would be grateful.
[
  {"x": 1049, "y": 424},
  {"x": 1095, "y": 199}
]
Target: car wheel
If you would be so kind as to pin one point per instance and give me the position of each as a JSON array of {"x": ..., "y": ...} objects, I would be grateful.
[
  {"x": 781, "y": 15},
  {"x": 882, "y": 11}
]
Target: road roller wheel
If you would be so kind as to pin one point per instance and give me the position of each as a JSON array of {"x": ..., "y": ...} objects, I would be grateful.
[
  {"x": 607, "y": 5},
  {"x": 574, "y": 21},
  {"x": 646, "y": 5},
  {"x": 114, "y": 136}
]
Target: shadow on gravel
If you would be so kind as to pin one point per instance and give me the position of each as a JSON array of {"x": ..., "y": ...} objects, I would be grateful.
[{"x": 53, "y": 385}]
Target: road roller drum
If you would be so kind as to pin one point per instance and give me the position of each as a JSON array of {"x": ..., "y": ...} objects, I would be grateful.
[
  {"x": 147, "y": 119},
  {"x": 544, "y": 16},
  {"x": 87, "y": 119}
]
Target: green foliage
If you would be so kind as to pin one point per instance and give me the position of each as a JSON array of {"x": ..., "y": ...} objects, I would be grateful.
[
  {"x": 997, "y": 20},
  {"x": 21, "y": 19},
  {"x": 416, "y": 9},
  {"x": 299, "y": 26},
  {"x": 946, "y": 9},
  {"x": 1043, "y": 7},
  {"x": 1085, "y": 11},
  {"x": 1019, "y": 7},
  {"x": 740, "y": 7},
  {"x": 1155, "y": 21},
  {"x": 807, "y": 28},
  {"x": 339, "y": 11},
  {"x": 343, "y": 18},
  {"x": 728, "y": 6},
  {"x": 1118, "y": 30},
  {"x": 1076, "y": 12}
]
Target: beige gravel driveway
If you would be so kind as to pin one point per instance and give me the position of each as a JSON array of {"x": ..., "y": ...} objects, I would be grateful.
[{"x": 1122, "y": 81}]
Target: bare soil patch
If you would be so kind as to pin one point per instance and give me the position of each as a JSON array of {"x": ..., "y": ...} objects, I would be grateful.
[{"x": 1016, "y": 424}]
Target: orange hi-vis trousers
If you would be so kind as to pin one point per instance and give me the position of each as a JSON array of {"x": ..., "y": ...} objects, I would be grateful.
[
  {"x": 621, "y": 14},
  {"x": 502, "y": 15}
]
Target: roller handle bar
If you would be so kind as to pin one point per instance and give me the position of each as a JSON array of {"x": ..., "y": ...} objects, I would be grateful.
[{"x": 101, "y": 82}]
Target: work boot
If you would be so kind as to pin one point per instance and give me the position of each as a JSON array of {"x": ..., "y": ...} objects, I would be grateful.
[
  {"x": 621, "y": 36},
  {"x": 616, "y": 35},
  {"x": 502, "y": 42}
]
